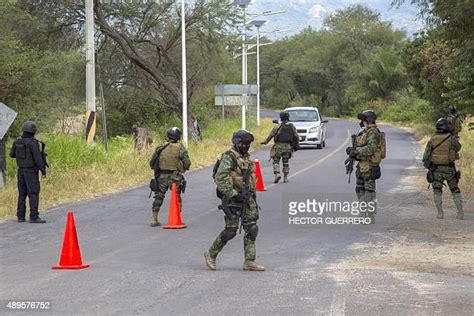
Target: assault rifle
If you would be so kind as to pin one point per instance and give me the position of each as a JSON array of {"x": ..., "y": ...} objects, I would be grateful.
[
  {"x": 245, "y": 196},
  {"x": 349, "y": 162},
  {"x": 44, "y": 155}
]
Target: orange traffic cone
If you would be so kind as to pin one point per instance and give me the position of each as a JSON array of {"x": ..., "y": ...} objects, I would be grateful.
[
  {"x": 258, "y": 172},
  {"x": 71, "y": 253},
  {"x": 174, "y": 216}
]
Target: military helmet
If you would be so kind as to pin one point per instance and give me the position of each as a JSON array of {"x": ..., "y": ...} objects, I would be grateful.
[
  {"x": 452, "y": 109},
  {"x": 242, "y": 136},
  {"x": 284, "y": 116},
  {"x": 367, "y": 115},
  {"x": 29, "y": 127},
  {"x": 442, "y": 125},
  {"x": 173, "y": 133}
]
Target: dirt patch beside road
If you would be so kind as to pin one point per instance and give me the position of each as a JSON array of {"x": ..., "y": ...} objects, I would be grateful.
[{"x": 419, "y": 243}]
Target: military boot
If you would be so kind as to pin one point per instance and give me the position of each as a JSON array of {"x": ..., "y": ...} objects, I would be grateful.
[
  {"x": 154, "y": 219},
  {"x": 210, "y": 261},
  {"x": 285, "y": 177},
  {"x": 37, "y": 220},
  {"x": 251, "y": 265},
  {"x": 458, "y": 201},
  {"x": 438, "y": 200},
  {"x": 277, "y": 178}
]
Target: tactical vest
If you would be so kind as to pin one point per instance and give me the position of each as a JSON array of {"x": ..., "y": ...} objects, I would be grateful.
[
  {"x": 285, "y": 133},
  {"x": 379, "y": 153},
  {"x": 443, "y": 154},
  {"x": 169, "y": 158},
  {"x": 237, "y": 172},
  {"x": 454, "y": 124},
  {"x": 23, "y": 154}
]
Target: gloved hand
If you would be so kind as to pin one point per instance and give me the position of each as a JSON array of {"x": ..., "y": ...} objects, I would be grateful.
[
  {"x": 238, "y": 198},
  {"x": 348, "y": 150},
  {"x": 295, "y": 148},
  {"x": 353, "y": 153}
]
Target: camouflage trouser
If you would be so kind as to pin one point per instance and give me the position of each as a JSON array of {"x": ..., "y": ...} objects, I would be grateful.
[
  {"x": 164, "y": 182},
  {"x": 231, "y": 227},
  {"x": 448, "y": 174},
  {"x": 281, "y": 151},
  {"x": 365, "y": 189}
]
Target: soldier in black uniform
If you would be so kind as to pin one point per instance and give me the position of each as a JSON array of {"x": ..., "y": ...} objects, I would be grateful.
[{"x": 29, "y": 159}]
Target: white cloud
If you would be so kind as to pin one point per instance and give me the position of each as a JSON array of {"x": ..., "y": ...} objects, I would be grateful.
[{"x": 316, "y": 10}]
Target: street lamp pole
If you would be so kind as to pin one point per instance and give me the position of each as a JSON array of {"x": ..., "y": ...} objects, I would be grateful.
[
  {"x": 258, "y": 76},
  {"x": 243, "y": 4},
  {"x": 244, "y": 64},
  {"x": 258, "y": 24},
  {"x": 184, "y": 74}
]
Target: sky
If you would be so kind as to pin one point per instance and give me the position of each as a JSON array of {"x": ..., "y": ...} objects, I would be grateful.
[{"x": 303, "y": 13}]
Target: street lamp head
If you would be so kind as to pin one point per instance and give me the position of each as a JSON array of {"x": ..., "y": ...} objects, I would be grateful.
[
  {"x": 242, "y": 3},
  {"x": 258, "y": 23}
]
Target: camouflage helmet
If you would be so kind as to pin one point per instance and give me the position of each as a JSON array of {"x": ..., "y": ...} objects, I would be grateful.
[
  {"x": 367, "y": 115},
  {"x": 29, "y": 127},
  {"x": 284, "y": 116},
  {"x": 173, "y": 133},
  {"x": 242, "y": 136},
  {"x": 452, "y": 109},
  {"x": 442, "y": 125}
]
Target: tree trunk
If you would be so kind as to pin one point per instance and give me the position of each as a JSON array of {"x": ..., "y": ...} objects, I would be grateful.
[{"x": 194, "y": 128}]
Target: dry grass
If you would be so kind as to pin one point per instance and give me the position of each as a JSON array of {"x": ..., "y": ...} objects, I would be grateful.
[
  {"x": 467, "y": 157},
  {"x": 87, "y": 173}
]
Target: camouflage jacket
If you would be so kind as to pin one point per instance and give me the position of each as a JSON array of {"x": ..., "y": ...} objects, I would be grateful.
[
  {"x": 455, "y": 124},
  {"x": 370, "y": 138},
  {"x": 229, "y": 176}
]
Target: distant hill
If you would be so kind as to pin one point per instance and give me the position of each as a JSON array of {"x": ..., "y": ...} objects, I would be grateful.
[{"x": 304, "y": 13}]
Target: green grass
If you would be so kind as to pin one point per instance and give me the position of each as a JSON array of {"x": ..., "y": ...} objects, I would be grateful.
[{"x": 79, "y": 171}]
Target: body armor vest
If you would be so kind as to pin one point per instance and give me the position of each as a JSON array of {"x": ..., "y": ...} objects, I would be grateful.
[
  {"x": 379, "y": 153},
  {"x": 443, "y": 154},
  {"x": 285, "y": 133},
  {"x": 23, "y": 154},
  {"x": 454, "y": 124},
  {"x": 169, "y": 158},
  {"x": 237, "y": 174}
]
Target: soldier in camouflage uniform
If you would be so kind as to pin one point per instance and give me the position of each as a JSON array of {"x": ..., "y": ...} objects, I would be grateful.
[
  {"x": 236, "y": 181},
  {"x": 368, "y": 153},
  {"x": 454, "y": 121},
  {"x": 286, "y": 141},
  {"x": 169, "y": 161},
  {"x": 440, "y": 154}
]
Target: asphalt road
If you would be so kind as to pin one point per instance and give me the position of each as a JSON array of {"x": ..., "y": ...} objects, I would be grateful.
[{"x": 137, "y": 269}]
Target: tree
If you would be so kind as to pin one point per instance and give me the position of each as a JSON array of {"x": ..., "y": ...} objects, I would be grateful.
[{"x": 149, "y": 36}]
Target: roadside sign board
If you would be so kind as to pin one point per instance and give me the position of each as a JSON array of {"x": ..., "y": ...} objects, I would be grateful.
[
  {"x": 7, "y": 116},
  {"x": 236, "y": 89},
  {"x": 235, "y": 100}
]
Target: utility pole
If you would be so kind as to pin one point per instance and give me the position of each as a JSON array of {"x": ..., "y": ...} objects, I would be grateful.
[
  {"x": 184, "y": 75},
  {"x": 90, "y": 73}
]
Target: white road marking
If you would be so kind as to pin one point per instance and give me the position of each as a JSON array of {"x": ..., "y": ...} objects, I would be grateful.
[{"x": 346, "y": 142}]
